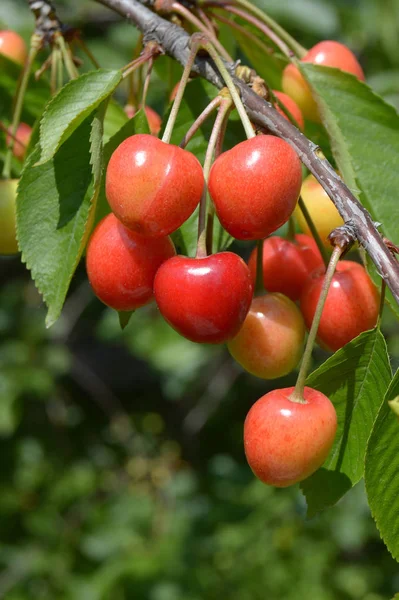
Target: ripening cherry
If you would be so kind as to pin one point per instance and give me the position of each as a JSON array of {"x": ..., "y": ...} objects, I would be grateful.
[
  {"x": 13, "y": 46},
  {"x": 151, "y": 186},
  {"x": 153, "y": 118},
  {"x": 292, "y": 108},
  {"x": 286, "y": 441},
  {"x": 287, "y": 264},
  {"x": 328, "y": 54},
  {"x": 322, "y": 211},
  {"x": 255, "y": 186},
  {"x": 205, "y": 299},
  {"x": 8, "y": 237},
  {"x": 21, "y": 142},
  {"x": 270, "y": 341},
  {"x": 351, "y": 307},
  {"x": 121, "y": 265}
]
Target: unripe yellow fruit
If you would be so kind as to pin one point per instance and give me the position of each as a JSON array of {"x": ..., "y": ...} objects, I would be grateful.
[{"x": 8, "y": 195}]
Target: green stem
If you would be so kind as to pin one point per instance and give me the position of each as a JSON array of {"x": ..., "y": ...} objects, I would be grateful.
[
  {"x": 224, "y": 108},
  {"x": 297, "y": 394},
  {"x": 200, "y": 120},
  {"x": 235, "y": 96},
  {"x": 188, "y": 15},
  {"x": 147, "y": 81},
  {"x": 313, "y": 231},
  {"x": 299, "y": 50},
  {"x": 291, "y": 229},
  {"x": 72, "y": 71},
  {"x": 34, "y": 48},
  {"x": 167, "y": 134},
  {"x": 259, "y": 283}
]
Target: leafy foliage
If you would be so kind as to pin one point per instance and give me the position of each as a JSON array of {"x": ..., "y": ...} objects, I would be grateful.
[{"x": 355, "y": 379}]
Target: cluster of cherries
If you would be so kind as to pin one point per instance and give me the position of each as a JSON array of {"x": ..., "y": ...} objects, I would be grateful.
[{"x": 153, "y": 187}]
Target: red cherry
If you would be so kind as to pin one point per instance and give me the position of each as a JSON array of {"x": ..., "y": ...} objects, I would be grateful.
[
  {"x": 255, "y": 186},
  {"x": 286, "y": 264},
  {"x": 291, "y": 106},
  {"x": 121, "y": 265},
  {"x": 270, "y": 342},
  {"x": 21, "y": 141},
  {"x": 328, "y": 54},
  {"x": 153, "y": 118},
  {"x": 205, "y": 299},
  {"x": 287, "y": 441},
  {"x": 352, "y": 304},
  {"x": 153, "y": 187},
  {"x": 13, "y": 46}
]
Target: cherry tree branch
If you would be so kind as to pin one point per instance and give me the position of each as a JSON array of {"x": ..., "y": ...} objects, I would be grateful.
[{"x": 176, "y": 43}]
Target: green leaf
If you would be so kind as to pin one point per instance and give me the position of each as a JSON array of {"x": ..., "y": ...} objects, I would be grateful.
[
  {"x": 115, "y": 118},
  {"x": 355, "y": 379},
  {"x": 53, "y": 208},
  {"x": 72, "y": 105},
  {"x": 381, "y": 473},
  {"x": 138, "y": 124},
  {"x": 364, "y": 134}
]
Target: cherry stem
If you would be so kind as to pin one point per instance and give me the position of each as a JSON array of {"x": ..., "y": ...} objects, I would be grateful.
[
  {"x": 88, "y": 52},
  {"x": 259, "y": 282},
  {"x": 314, "y": 232},
  {"x": 297, "y": 394},
  {"x": 188, "y": 15},
  {"x": 167, "y": 134},
  {"x": 135, "y": 64},
  {"x": 200, "y": 120},
  {"x": 291, "y": 229},
  {"x": 284, "y": 36},
  {"x": 262, "y": 27},
  {"x": 235, "y": 96},
  {"x": 266, "y": 49},
  {"x": 205, "y": 19},
  {"x": 72, "y": 71},
  {"x": 225, "y": 106},
  {"x": 147, "y": 81},
  {"x": 23, "y": 84}
]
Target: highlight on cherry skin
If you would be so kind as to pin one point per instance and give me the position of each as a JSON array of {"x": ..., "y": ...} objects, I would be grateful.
[
  {"x": 121, "y": 265},
  {"x": 270, "y": 341},
  {"x": 153, "y": 187},
  {"x": 205, "y": 299},
  {"x": 255, "y": 186},
  {"x": 13, "y": 46},
  {"x": 153, "y": 118},
  {"x": 292, "y": 108},
  {"x": 21, "y": 142},
  {"x": 286, "y": 441},
  {"x": 326, "y": 53},
  {"x": 8, "y": 236},
  {"x": 321, "y": 209},
  {"x": 351, "y": 307},
  {"x": 287, "y": 264}
]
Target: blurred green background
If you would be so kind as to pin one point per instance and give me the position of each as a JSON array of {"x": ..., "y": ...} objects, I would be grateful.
[{"x": 123, "y": 474}]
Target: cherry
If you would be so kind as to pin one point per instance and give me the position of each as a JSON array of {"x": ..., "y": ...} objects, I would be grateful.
[
  {"x": 121, "y": 265},
  {"x": 255, "y": 186},
  {"x": 153, "y": 118},
  {"x": 291, "y": 106},
  {"x": 328, "y": 54},
  {"x": 351, "y": 307},
  {"x": 21, "y": 142},
  {"x": 8, "y": 195},
  {"x": 286, "y": 264},
  {"x": 13, "y": 46},
  {"x": 286, "y": 441},
  {"x": 205, "y": 299},
  {"x": 322, "y": 211},
  {"x": 151, "y": 186},
  {"x": 269, "y": 344}
]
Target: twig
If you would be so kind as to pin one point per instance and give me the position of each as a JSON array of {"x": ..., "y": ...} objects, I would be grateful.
[{"x": 175, "y": 41}]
